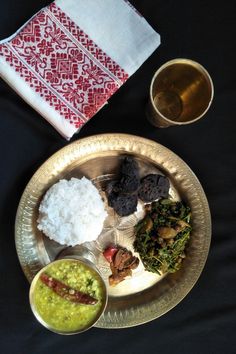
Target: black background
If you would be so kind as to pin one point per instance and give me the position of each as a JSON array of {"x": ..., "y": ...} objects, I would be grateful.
[{"x": 205, "y": 321}]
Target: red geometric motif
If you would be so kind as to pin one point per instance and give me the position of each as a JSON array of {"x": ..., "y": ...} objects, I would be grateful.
[{"x": 63, "y": 65}]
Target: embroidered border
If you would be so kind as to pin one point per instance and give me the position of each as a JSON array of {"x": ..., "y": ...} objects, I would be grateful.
[{"x": 63, "y": 65}]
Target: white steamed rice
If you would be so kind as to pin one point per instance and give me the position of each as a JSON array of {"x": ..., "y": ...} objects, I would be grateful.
[{"x": 72, "y": 212}]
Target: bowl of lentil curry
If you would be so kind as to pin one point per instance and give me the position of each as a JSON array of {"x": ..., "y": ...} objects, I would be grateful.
[{"x": 68, "y": 296}]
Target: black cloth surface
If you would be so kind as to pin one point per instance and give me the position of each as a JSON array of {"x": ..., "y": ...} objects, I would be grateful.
[{"x": 205, "y": 321}]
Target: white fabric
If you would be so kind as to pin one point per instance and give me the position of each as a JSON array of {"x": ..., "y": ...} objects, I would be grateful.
[
  {"x": 116, "y": 27},
  {"x": 66, "y": 129}
]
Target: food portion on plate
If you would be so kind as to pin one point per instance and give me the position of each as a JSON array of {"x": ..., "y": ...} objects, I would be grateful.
[
  {"x": 100, "y": 158},
  {"x": 124, "y": 193},
  {"x": 72, "y": 212},
  {"x": 161, "y": 237},
  {"x": 121, "y": 261},
  {"x": 152, "y": 187},
  {"x": 67, "y": 296}
]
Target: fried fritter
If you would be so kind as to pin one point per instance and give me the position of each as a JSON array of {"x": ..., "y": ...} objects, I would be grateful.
[
  {"x": 123, "y": 204},
  {"x": 153, "y": 186},
  {"x": 129, "y": 179}
]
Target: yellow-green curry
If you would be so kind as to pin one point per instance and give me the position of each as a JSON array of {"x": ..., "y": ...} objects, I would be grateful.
[{"x": 68, "y": 296}]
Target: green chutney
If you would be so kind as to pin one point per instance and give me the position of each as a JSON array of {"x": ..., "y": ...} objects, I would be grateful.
[{"x": 60, "y": 314}]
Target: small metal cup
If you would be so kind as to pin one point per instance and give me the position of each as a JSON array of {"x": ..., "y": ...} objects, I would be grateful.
[
  {"x": 89, "y": 265},
  {"x": 181, "y": 92}
]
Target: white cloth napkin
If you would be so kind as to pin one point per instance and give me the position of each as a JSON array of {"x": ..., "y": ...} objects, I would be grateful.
[{"x": 70, "y": 57}]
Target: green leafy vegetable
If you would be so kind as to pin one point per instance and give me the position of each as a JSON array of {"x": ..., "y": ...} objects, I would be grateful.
[{"x": 161, "y": 237}]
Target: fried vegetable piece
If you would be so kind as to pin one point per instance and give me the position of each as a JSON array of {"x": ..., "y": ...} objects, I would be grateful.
[
  {"x": 122, "y": 194},
  {"x": 123, "y": 204},
  {"x": 129, "y": 181},
  {"x": 129, "y": 167},
  {"x": 122, "y": 262},
  {"x": 128, "y": 184},
  {"x": 153, "y": 186}
]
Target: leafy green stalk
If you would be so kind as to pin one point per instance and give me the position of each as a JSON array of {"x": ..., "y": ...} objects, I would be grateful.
[{"x": 163, "y": 255}]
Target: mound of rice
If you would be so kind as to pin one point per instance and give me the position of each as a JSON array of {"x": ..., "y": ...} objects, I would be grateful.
[{"x": 72, "y": 212}]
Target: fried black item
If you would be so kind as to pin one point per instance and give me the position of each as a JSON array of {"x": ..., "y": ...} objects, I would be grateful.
[
  {"x": 123, "y": 193},
  {"x": 128, "y": 184},
  {"x": 123, "y": 204},
  {"x": 129, "y": 180},
  {"x": 164, "y": 186},
  {"x": 112, "y": 186},
  {"x": 154, "y": 186},
  {"x": 129, "y": 167}
]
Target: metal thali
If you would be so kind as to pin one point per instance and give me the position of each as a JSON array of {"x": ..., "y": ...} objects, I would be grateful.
[{"x": 145, "y": 296}]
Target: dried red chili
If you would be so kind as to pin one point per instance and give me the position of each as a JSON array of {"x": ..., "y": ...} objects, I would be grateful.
[{"x": 67, "y": 292}]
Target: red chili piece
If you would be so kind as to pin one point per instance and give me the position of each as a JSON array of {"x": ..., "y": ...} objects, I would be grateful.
[
  {"x": 66, "y": 292},
  {"x": 110, "y": 252}
]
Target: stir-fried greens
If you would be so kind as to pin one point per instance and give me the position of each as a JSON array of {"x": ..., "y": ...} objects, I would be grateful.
[{"x": 162, "y": 235}]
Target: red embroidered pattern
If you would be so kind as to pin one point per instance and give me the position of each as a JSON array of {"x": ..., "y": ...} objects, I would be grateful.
[{"x": 63, "y": 65}]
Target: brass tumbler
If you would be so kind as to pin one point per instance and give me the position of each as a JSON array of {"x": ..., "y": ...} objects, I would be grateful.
[{"x": 181, "y": 92}]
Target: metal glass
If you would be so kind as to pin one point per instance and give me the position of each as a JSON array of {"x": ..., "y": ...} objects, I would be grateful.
[{"x": 181, "y": 92}]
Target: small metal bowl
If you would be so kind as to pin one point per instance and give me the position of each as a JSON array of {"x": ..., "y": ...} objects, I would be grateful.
[{"x": 91, "y": 267}]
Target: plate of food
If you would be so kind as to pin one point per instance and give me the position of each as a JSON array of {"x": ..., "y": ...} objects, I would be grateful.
[{"x": 133, "y": 208}]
